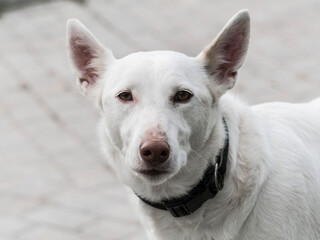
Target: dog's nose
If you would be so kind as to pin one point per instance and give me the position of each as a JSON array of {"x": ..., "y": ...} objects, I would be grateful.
[{"x": 154, "y": 152}]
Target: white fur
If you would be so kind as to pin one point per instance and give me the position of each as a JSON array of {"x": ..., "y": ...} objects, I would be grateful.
[{"x": 272, "y": 184}]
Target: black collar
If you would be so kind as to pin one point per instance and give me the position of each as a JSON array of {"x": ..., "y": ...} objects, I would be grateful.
[{"x": 210, "y": 184}]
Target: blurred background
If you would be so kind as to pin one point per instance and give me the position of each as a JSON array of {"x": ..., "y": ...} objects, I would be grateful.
[{"x": 54, "y": 182}]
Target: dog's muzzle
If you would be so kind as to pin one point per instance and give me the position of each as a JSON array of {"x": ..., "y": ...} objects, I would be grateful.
[{"x": 210, "y": 184}]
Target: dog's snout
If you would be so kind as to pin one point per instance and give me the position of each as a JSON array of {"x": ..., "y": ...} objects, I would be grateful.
[{"x": 154, "y": 152}]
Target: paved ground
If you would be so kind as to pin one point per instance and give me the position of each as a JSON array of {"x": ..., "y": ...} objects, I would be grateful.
[{"x": 54, "y": 183}]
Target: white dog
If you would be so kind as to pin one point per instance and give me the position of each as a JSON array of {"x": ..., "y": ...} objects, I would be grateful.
[{"x": 202, "y": 164}]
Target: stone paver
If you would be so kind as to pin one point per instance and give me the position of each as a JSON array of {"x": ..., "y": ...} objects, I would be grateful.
[{"x": 54, "y": 181}]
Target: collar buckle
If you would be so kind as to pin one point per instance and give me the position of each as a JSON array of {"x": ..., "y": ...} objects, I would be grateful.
[{"x": 178, "y": 210}]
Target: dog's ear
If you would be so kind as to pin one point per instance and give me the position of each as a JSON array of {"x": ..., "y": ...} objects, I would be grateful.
[
  {"x": 225, "y": 55},
  {"x": 88, "y": 58}
]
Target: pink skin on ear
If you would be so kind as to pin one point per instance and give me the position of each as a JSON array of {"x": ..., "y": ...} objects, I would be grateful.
[
  {"x": 82, "y": 56},
  {"x": 87, "y": 56},
  {"x": 226, "y": 54}
]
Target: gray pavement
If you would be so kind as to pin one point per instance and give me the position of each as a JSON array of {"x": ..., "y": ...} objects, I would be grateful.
[{"x": 54, "y": 181}]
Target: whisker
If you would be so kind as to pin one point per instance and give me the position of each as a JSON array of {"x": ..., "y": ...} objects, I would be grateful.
[{"x": 202, "y": 158}]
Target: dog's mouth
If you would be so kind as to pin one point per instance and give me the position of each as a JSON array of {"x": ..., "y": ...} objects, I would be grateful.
[{"x": 152, "y": 172}]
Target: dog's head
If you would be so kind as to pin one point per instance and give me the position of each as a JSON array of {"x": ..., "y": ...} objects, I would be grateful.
[{"x": 159, "y": 108}]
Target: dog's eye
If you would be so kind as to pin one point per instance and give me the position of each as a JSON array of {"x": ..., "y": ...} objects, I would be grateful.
[
  {"x": 126, "y": 96},
  {"x": 182, "y": 96}
]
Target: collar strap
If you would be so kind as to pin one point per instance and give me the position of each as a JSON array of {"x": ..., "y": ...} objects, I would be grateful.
[{"x": 210, "y": 184}]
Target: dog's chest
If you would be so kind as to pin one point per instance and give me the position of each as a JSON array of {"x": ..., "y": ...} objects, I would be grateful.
[
  {"x": 186, "y": 230},
  {"x": 196, "y": 227}
]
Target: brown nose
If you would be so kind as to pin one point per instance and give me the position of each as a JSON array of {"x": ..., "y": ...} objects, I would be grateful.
[{"x": 154, "y": 152}]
